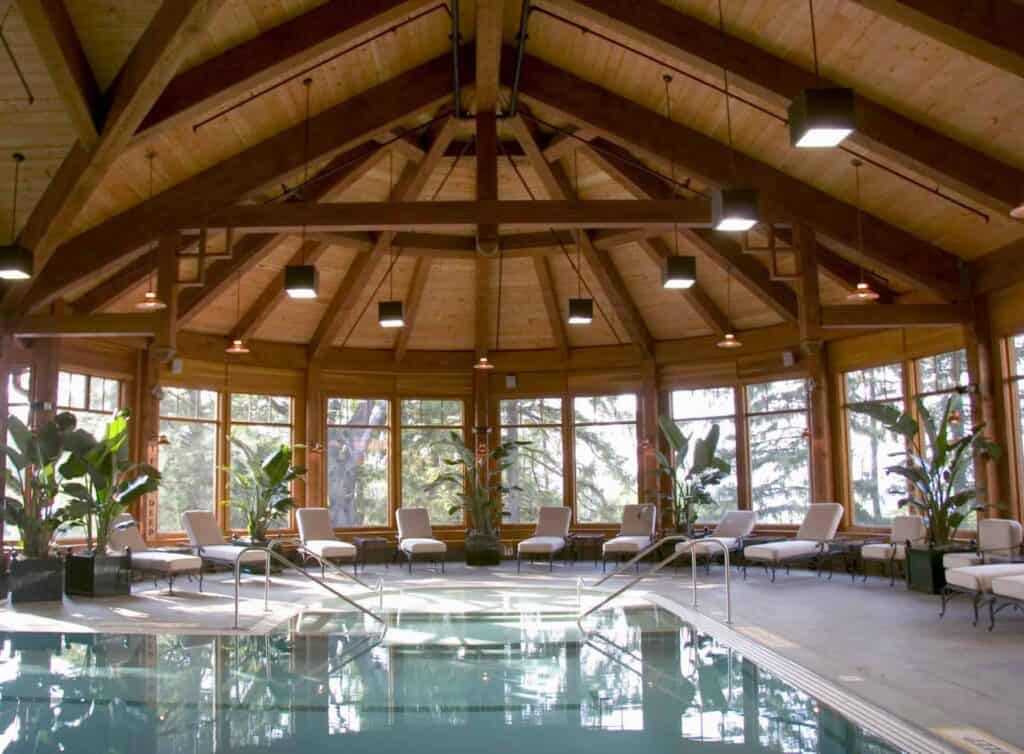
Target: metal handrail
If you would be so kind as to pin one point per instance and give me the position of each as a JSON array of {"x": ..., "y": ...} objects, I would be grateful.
[{"x": 658, "y": 566}]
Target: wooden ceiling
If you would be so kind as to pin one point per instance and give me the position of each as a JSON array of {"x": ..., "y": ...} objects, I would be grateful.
[{"x": 214, "y": 89}]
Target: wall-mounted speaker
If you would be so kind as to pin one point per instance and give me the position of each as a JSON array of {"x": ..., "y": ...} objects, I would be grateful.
[
  {"x": 788, "y": 359},
  {"x": 177, "y": 366},
  {"x": 511, "y": 383}
]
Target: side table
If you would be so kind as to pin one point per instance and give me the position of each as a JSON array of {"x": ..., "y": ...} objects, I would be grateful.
[
  {"x": 580, "y": 540},
  {"x": 367, "y": 545}
]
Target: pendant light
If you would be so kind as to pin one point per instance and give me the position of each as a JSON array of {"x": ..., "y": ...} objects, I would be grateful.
[
  {"x": 483, "y": 362},
  {"x": 733, "y": 210},
  {"x": 679, "y": 272},
  {"x": 729, "y": 340},
  {"x": 301, "y": 280},
  {"x": 581, "y": 308},
  {"x": 15, "y": 260},
  {"x": 237, "y": 346},
  {"x": 822, "y": 116},
  {"x": 390, "y": 313},
  {"x": 150, "y": 299},
  {"x": 863, "y": 291}
]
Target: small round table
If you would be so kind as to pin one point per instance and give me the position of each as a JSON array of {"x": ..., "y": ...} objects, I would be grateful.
[{"x": 581, "y": 540}]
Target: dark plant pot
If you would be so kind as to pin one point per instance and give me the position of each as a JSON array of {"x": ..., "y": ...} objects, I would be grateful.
[
  {"x": 5, "y": 566},
  {"x": 483, "y": 549},
  {"x": 36, "y": 580},
  {"x": 924, "y": 570},
  {"x": 88, "y": 575}
]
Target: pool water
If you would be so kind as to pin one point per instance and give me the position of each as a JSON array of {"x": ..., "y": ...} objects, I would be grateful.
[{"x": 457, "y": 672}]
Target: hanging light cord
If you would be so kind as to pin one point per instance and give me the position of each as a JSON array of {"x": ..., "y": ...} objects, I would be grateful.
[
  {"x": 151, "y": 156},
  {"x": 860, "y": 224},
  {"x": 18, "y": 157},
  {"x": 308, "y": 83},
  {"x": 728, "y": 107},
  {"x": 497, "y": 323},
  {"x": 672, "y": 163},
  {"x": 814, "y": 43},
  {"x": 576, "y": 180}
]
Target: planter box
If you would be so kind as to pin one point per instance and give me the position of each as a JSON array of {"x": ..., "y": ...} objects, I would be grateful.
[
  {"x": 482, "y": 550},
  {"x": 924, "y": 568},
  {"x": 36, "y": 580},
  {"x": 89, "y": 575}
]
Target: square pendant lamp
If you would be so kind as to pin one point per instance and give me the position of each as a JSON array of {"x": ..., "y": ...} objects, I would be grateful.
[
  {"x": 734, "y": 210},
  {"x": 679, "y": 272},
  {"x": 389, "y": 314},
  {"x": 821, "y": 118},
  {"x": 300, "y": 281},
  {"x": 581, "y": 311},
  {"x": 15, "y": 263}
]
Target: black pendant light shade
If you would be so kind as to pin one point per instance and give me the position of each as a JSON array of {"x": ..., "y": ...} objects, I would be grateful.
[
  {"x": 300, "y": 280},
  {"x": 389, "y": 314},
  {"x": 821, "y": 117},
  {"x": 734, "y": 210},
  {"x": 679, "y": 272},
  {"x": 581, "y": 311},
  {"x": 15, "y": 263}
]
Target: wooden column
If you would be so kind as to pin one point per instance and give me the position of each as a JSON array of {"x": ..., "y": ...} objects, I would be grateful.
[
  {"x": 45, "y": 367},
  {"x": 149, "y": 433},
  {"x": 167, "y": 290},
  {"x": 487, "y": 175},
  {"x": 648, "y": 439},
  {"x": 315, "y": 442}
]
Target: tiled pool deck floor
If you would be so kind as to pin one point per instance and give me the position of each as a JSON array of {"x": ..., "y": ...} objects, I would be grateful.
[{"x": 883, "y": 644}]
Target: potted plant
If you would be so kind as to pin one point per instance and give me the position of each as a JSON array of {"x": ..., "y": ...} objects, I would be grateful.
[
  {"x": 692, "y": 475},
  {"x": 110, "y": 483},
  {"x": 264, "y": 487},
  {"x": 936, "y": 480},
  {"x": 34, "y": 477},
  {"x": 478, "y": 487}
]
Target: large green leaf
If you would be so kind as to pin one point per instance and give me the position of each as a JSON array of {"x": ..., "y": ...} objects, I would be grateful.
[{"x": 679, "y": 442}]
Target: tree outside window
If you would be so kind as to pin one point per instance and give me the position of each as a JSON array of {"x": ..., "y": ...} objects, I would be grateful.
[
  {"x": 606, "y": 470},
  {"x": 357, "y": 461},
  {"x": 188, "y": 463},
  {"x": 539, "y": 472},
  {"x": 263, "y": 423},
  {"x": 779, "y": 447},
  {"x": 426, "y": 424},
  {"x": 19, "y": 391},
  {"x": 694, "y": 412},
  {"x": 93, "y": 400}
]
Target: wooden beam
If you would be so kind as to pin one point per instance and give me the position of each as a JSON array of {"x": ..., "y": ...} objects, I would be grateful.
[
  {"x": 57, "y": 42},
  {"x": 488, "y": 54},
  {"x": 998, "y": 269},
  {"x": 121, "y": 281},
  {"x": 269, "y": 57},
  {"x": 695, "y": 296},
  {"x": 420, "y": 274},
  {"x": 165, "y": 342},
  {"x": 481, "y": 306},
  {"x": 809, "y": 298},
  {"x": 611, "y": 239},
  {"x": 546, "y": 282},
  {"x": 988, "y": 30},
  {"x": 777, "y": 81},
  {"x": 892, "y": 315},
  {"x": 783, "y": 198},
  {"x": 91, "y": 326},
  {"x": 144, "y": 75},
  {"x": 487, "y": 175}
]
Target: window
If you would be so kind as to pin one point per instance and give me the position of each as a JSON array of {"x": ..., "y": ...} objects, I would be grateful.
[
  {"x": 695, "y": 411},
  {"x": 188, "y": 463},
  {"x": 606, "y": 456},
  {"x": 357, "y": 461},
  {"x": 262, "y": 423},
  {"x": 538, "y": 470},
  {"x": 780, "y": 468},
  {"x": 19, "y": 391},
  {"x": 91, "y": 399},
  {"x": 426, "y": 426},
  {"x": 871, "y": 447}
]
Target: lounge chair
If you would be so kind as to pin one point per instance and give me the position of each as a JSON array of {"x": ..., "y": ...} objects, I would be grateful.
[
  {"x": 207, "y": 541},
  {"x": 976, "y": 582},
  {"x": 549, "y": 538},
  {"x": 125, "y": 536},
  {"x": 1007, "y": 591},
  {"x": 319, "y": 540},
  {"x": 811, "y": 543},
  {"x": 999, "y": 543},
  {"x": 904, "y": 529},
  {"x": 639, "y": 523},
  {"x": 730, "y": 531},
  {"x": 416, "y": 537},
  {"x": 998, "y": 538}
]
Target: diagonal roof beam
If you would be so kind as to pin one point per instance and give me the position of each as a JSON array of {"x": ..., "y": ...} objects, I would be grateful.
[
  {"x": 272, "y": 55},
  {"x": 420, "y": 274},
  {"x": 149, "y": 67},
  {"x": 488, "y": 54},
  {"x": 546, "y": 282},
  {"x": 777, "y": 81},
  {"x": 695, "y": 296},
  {"x": 634, "y": 126},
  {"x": 350, "y": 122}
]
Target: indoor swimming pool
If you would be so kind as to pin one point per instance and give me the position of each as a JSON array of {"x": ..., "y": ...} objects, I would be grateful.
[{"x": 457, "y": 671}]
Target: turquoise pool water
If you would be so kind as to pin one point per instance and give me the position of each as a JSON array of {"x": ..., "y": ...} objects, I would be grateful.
[{"x": 457, "y": 672}]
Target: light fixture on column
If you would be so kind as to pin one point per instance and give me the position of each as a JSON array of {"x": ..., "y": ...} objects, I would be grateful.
[
  {"x": 483, "y": 362},
  {"x": 733, "y": 210},
  {"x": 581, "y": 308},
  {"x": 679, "y": 272},
  {"x": 15, "y": 260},
  {"x": 301, "y": 280},
  {"x": 150, "y": 299},
  {"x": 729, "y": 339},
  {"x": 863, "y": 291},
  {"x": 822, "y": 116},
  {"x": 390, "y": 313}
]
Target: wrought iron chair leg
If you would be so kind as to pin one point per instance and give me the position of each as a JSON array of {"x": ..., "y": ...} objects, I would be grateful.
[
  {"x": 773, "y": 574},
  {"x": 200, "y": 578},
  {"x": 892, "y": 573},
  {"x": 519, "y": 562},
  {"x": 170, "y": 584},
  {"x": 551, "y": 562},
  {"x": 442, "y": 566},
  {"x": 977, "y": 602},
  {"x": 945, "y": 599},
  {"x": 991, "y": 614}
]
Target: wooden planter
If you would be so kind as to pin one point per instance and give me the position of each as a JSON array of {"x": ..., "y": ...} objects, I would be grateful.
[
  {"x": 89, "y": 575},
  {"x": 36, "y": 580},
  {"x": 482, "y": 550},
  {"x": 925, "y": 572}
]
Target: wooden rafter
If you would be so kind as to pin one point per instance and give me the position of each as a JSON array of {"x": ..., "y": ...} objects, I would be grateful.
[
  {"x": 998, "y": 269},
  {"x": 777, "y": 81},
  {"x": 695, "y": 296},
  {"x": 420, "y": 274},
  {"x": 488, "y": 54},
  {"x": 481, "y": 306},
  {"x": 782, "y": 196},
  {"x": 892, "y": 315},
  {"x": 809, "y": 298},
  {"x": 546, "y": 283},
  {"x": 91, "y": 326}
]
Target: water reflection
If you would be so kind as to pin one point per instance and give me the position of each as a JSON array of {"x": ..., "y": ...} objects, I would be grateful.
[{"x": 442, "y": 682}]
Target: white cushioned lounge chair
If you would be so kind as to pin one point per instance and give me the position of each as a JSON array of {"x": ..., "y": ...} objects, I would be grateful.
[
  {"x": 319, "y": 540},
  {"x": 639, "y": 523},
  {"x": 812, "y": 540},
  {"x": 730, "y": 531},
  {"x": 904, "y": 529},
  {"x": 548, "y": 538},
  {"x": 999, "y": 543},
  {"x": 125, "y": 535},
  {"x": 207, "y": 541},
  {"x": 416, "y": 537},
  {"x": 998, "y": 538},
  {"x": 1007, "y": 591}
]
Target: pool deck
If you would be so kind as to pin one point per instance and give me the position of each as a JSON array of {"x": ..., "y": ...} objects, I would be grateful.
[{"x": 885, "y": 645}]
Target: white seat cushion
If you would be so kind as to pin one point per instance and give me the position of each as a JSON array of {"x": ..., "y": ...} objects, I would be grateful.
[
  {"x": 314, "y": 524},
  {"x": 1009, "y": 586},
  {"x": 542, "y": 545},
  {"x": 632, "y": 544},
  {"x": 165, "y": 562},
  {"x": 420, "y": 546},
  {"x": 704, "y": 547},
  {"x": 882, "y": 551},
  {"x": 774, "y": 552},
  {"x": 960, "y": 559},
  {"x": 553, "y": 521},
  {"x": 231, "y": 553},
  {"x": 979, "y": 578},
  {"x": 331, "y": 548}
]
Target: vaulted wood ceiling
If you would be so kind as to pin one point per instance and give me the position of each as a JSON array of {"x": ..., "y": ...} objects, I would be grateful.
[{"x": 214, "y": 88}]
